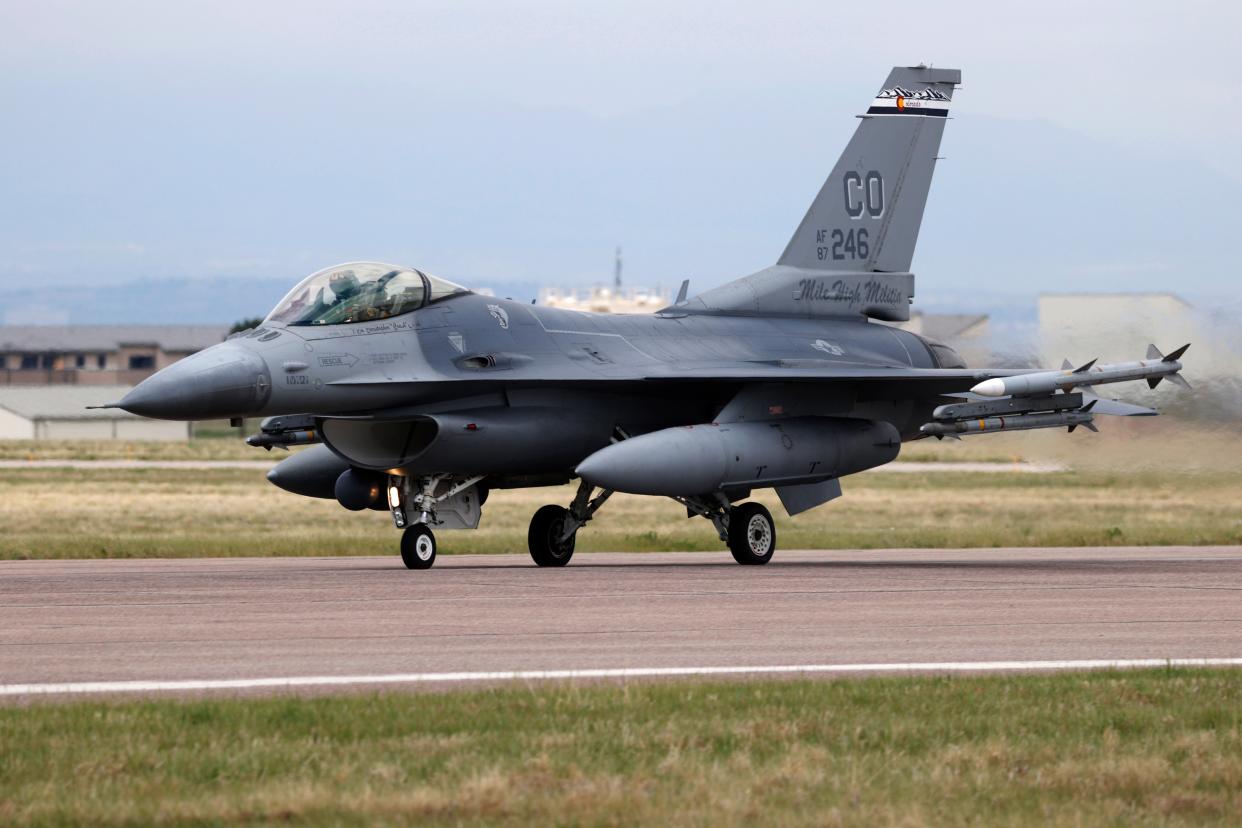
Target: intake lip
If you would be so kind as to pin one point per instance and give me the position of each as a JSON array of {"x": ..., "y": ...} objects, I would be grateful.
[{"x": 225, "y": 380}]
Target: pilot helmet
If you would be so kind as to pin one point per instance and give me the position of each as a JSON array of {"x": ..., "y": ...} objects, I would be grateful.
[{"x": 343, "y": 283}]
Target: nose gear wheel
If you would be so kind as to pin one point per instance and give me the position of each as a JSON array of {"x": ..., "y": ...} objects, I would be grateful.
[{"x": 418, "y": 547}]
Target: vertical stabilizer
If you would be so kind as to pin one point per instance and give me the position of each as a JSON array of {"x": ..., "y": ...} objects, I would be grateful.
[{"x": 867, "y": 215}]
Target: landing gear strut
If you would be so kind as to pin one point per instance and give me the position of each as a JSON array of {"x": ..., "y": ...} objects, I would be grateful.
[
  {"x": 418, "y": 503},
  {"x": 554, "y": 529},
  {"x": 747, "y": 528}
]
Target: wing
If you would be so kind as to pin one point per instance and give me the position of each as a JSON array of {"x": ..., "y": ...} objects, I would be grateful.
[{"x": 914, "y": 382}]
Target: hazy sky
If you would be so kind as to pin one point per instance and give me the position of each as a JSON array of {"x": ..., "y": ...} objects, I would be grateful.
[{"x": 1094, "y": 145}]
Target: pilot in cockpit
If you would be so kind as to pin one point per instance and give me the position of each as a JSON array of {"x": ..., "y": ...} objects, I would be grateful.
[{"x": 343, "y": 285}]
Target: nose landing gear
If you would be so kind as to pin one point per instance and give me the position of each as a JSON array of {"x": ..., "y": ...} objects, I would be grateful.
[{"x": 418, "y": 546}]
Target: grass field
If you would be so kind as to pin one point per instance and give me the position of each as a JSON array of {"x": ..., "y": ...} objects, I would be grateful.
[
  {"x": 1151, "y": 748},
  {"x": 1169, "y": 487},
  {"x": 53, "y": 513}
]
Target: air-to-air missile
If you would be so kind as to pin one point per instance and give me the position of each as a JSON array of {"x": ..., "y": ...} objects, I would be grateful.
[
  {"x": 1156, "y": 367},
  {"x": 1061, "y": 419},
  {"x": 1046, "y": 399}
]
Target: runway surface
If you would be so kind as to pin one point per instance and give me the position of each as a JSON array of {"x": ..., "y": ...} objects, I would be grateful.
[{"x": 259, "y": 622}]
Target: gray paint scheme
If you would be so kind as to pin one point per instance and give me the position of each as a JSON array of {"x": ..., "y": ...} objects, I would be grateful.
[{"x": 778, "y": 379}]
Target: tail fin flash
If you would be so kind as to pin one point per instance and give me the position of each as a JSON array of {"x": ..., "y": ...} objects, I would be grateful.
[{"x": 867, "y": 215}]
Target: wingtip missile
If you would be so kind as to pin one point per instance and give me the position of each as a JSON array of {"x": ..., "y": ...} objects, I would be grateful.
[{"x": 1152, "y": 369}]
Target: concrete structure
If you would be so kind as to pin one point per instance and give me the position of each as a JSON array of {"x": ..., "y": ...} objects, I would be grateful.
[
  {"x": 59, "y": 412},
  {"x": 1113, "y": 327},
  {"x": 96, "y": 354}
]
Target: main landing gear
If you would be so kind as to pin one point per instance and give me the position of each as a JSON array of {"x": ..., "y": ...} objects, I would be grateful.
[
  {"x": 752, "y": 534},
  {"x": 554, "y": 529},
  {"x": 747, "y": 529}
]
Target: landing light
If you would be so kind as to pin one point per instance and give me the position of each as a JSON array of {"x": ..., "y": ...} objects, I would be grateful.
[{"x": 394, "y": 497}]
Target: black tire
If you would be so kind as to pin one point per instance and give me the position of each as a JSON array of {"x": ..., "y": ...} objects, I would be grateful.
[
  {"x": 418, "y": 546},
  {"x": 545, "y": 527},
  {"x": 752, "y": 534}
]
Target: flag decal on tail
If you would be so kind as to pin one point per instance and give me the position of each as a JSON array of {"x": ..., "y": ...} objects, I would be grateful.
[{"x": 899, "y": 100}]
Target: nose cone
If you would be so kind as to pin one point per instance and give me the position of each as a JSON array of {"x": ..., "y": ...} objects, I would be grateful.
[
  {"x": 225, "y": 380},
  {"x": 990, "y": 388}
]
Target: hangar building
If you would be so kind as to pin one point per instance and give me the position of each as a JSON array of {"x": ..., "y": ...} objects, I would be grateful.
[
  {"x": 1114, "y": 327},
  {"x": 59, "y": 412},
  {"x": 97, "y": 354}
]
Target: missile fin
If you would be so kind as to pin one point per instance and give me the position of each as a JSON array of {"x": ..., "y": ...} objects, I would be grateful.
[
  {"x": 1091, "y": 427},
  {"x": 1153, "y": 352},
  {"x": 1176, "y": 355},
  {"x": 1084, "y": 368},
  {"x": 1089, "y": 405},
  {"x": 1178, "y": 379},
  {"x": 1066, "y": 365},
  {"x": 1152, "y": 382}
]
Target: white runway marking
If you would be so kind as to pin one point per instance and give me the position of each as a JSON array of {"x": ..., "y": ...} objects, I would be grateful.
[{"x": 293, "y": 682}]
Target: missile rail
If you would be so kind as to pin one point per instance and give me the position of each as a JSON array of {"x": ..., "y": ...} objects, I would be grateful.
[{"x": 1048, "y": 399}]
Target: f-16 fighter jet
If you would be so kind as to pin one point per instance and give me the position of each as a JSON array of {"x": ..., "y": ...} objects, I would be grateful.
[{"x": 423, "y": 397}]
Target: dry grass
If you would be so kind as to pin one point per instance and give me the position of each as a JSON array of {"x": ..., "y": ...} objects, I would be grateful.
[
  {"x": 1138, "y": 483},
  {"x": 1152, "y": 748},
  {"x": 212, "y": 448},
  {"x": 52, "y": 513}
]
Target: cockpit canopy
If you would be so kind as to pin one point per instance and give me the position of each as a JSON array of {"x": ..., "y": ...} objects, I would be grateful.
[{"x": 360, "y": 292}]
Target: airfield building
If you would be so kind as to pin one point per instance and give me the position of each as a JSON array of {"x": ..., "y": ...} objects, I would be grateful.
[
  {"x": 96, "y": 354},
  {"x": 59, "y": 412},
  {"x": 1113, "y": 327}
]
